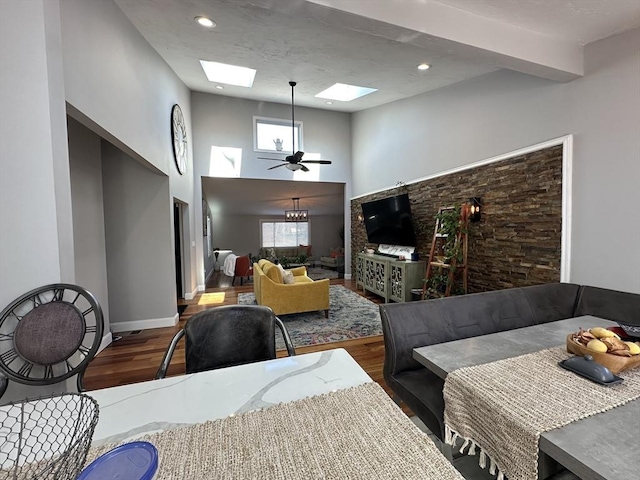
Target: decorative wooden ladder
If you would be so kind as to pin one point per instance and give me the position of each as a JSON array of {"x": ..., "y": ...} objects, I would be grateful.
[{"x": 437, "y": 261}]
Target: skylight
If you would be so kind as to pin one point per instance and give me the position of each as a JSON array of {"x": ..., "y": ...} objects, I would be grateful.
[
  {"x": 345, "y": 93},
  {"x": 229, "y": 74}
]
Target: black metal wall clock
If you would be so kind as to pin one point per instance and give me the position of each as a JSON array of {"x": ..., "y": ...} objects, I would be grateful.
[{"x": 179, "y": 138}]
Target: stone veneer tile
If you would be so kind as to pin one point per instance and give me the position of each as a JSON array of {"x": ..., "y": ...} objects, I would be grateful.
[{"x": 518, "y": 240}]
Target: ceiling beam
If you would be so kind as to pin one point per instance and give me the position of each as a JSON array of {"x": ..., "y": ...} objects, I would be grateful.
[{"x": 467, "y": 36}]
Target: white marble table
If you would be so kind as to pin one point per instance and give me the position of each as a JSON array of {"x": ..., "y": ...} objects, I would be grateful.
[
  {"x": 602, "y": 447},
  {"x": 129, "y": 411}
]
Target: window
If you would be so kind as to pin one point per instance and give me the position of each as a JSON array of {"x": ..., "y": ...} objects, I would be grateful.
[
  {"x": 284, "y": 234},
  {"x": 273, "y": 135}
]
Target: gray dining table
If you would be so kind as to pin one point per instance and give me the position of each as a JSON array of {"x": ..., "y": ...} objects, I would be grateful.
[{"x": 605, "y": 446}]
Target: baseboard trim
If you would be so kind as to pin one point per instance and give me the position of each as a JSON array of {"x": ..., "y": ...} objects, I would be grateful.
[
  {"x": 347, "y": 276},
  {"x": 106, "y": 341},
  {"x": 192, "y": 295},
  {"x": 145, "y": 324}
]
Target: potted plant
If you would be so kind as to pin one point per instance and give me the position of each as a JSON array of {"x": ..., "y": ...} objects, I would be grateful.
[
  {"x": 449, "y": 222},
  {"x": 448, "y": 248}
]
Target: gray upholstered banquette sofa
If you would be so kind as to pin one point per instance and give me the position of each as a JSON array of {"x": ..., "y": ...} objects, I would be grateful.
[{"x": 415, "y": 324}]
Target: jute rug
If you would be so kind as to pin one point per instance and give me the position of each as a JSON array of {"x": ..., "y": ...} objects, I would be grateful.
[
  {"x": 502, "y": 408},
  {"x": 350, "y": 316},
  {"x": 356, "y": 433}
]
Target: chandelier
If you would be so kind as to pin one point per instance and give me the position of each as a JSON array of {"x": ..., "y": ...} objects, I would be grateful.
[{"x": 296, "y": 215}]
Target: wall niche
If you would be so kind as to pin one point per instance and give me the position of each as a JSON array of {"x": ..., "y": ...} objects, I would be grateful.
[{"x": 517, "y": 242}]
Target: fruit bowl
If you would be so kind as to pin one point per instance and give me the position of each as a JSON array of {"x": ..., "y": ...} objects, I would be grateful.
[{"x": 614, "y": 363}]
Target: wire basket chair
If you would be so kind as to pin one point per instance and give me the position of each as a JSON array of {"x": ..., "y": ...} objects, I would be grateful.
[{"x": 46, "y": 438}]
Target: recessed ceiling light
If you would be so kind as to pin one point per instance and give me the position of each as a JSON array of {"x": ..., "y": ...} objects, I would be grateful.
[
  {"x": 205, "y": 22},
  {"x": 329, "y": 103},
  {"x": 345, "y": 93},
  {"x": 424, "y": 66},
  {"x": 219, "y": 87},
  {"x": 229, "y": 74}
]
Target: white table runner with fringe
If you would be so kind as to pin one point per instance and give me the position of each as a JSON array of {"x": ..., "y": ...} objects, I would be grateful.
[
  {"x": 500, "y": 409},
  {"x": 354, "y": 433}
]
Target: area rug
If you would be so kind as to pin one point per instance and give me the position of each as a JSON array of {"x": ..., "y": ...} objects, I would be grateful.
[
  {"x": 320, "y": 273},
  {"x": 350, "y": 316},
  {"x": 211, "y": 298}
]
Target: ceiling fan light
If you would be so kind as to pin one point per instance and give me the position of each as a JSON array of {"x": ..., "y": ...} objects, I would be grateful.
[{"x": 294, "y": 166}]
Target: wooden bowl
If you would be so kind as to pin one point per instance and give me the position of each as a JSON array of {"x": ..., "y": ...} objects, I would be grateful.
[{"x": 614, "y": 363}]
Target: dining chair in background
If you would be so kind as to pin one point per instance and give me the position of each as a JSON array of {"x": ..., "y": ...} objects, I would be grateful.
[
  {"x": 243, "y": 269},
  {"x": 226, "y": 336},
  {"x": 49, "y": 335}
]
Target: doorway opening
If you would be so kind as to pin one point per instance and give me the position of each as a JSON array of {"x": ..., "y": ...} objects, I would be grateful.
[{"x": 178, "y": 219}]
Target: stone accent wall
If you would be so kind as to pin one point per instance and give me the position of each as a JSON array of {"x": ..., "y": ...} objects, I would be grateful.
[{"x": 518, "y": 240}]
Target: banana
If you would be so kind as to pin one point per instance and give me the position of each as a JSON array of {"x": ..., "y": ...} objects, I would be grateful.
[
  {"x": 600, "y": 332},
  {"x": 634, "y": 348},
  {"x": 597, "y": 346}
]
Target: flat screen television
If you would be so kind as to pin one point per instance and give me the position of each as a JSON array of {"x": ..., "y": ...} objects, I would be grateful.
[{"x": 389, "y": 221}]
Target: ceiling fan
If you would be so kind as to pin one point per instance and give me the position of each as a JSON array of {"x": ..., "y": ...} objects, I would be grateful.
[{"x": 294, "y": 162}]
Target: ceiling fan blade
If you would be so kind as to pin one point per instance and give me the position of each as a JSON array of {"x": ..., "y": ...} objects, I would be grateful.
[
  {"x": 276, "y": 166},
  {"x": 321, "y": 162},
  {"x": 303, "y": 168}
]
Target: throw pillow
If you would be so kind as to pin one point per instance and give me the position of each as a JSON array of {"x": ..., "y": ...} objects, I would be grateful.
[
  {"x": 308, "y": 250},
  {"x": 287, "y": 275}
]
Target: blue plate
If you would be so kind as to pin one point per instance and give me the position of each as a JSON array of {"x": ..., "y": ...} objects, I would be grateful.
[{"x": 131, "y": 461}]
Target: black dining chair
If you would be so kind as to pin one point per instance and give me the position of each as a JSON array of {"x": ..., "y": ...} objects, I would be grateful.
[
  {"x": 49, "y": 335},
  {"x": 227, "y": 336}
]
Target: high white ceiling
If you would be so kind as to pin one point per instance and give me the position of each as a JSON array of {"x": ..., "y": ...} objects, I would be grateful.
[{"x": 373, "y": 43}]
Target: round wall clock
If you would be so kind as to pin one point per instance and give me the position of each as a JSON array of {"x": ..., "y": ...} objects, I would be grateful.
[{"x": 179, "y": 138}]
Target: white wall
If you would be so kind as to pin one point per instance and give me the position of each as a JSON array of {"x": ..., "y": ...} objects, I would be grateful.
[
  {"x": 117, "y": 85},
  {"x": 35, "y": 248},
  {"x": 228, "y": 122},
  {"x": 504, "y": 111},
  {"x": 141, "y": 283},
  {"x": 85, "y": 161},
  {"x": 325, "y": 234}
]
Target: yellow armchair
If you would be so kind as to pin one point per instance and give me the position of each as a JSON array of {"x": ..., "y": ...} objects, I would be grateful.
[{"x": 303, "y": 295}]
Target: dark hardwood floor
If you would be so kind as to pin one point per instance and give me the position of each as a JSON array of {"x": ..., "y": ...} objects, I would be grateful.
[{"x": 136, "y": 357}]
